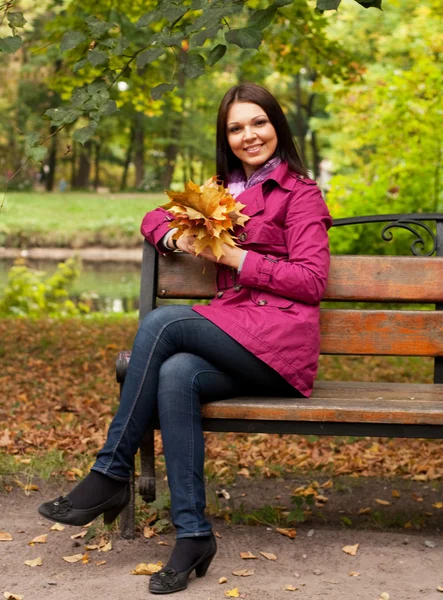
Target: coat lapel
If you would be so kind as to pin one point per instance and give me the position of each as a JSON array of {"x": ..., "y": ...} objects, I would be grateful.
[{"x": 253, "y": 198}]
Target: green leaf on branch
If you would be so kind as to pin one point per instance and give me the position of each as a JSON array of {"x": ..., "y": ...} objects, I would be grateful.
[
  {"x": 79, "y": 65},
  {"x": 193, "y": 65},
  {"x": 328, "y": 4},
  {"x": 216, "y": 54},
  {"x": 85, "y": 133},
  {"x": 97, "y": 57},
  {"x": 11, "y": 44},
  {"x": 71, "y": 39},
  {"x": 262, "y": 18},
  {"x": 96, "y": 86},
  {"x": 147, "y": 19},
  {"x": 174, "y": 13},
  {"x": 245, "y": 38},
  {"x": 158, "y": 91},
  {"x": 79, "y": 97},
  {"x": 120, "y": 46},
  {"x": 97, "y": 27},
  {"x": 280, "y": 3},
  {"x": 198, "y": 4},
  {"x": 170, "y": 39},
  {"x": 36, "y": 153},
  {"x": 62, "y": 116},
  {"x": 16, "y": 19},
  {"x": 31, "y": 139},
  {"x": 370, "y": 3},
  {"x": 198, "y": 39},
  {"x": 148, "y": 56}
]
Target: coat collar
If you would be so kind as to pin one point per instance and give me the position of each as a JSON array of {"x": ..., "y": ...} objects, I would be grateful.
[{"x": 253, "y": 196}]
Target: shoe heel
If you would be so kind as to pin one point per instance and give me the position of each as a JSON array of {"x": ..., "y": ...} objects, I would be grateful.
[
  {"x": 200, "y": 571},
  {"x": 109, "y": 516}
]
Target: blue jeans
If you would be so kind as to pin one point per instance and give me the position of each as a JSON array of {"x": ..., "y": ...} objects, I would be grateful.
[{"x": 179, "y": 360}]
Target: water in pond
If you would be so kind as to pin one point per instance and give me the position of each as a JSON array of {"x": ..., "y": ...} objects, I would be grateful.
[{"x": 112, "y": 287}]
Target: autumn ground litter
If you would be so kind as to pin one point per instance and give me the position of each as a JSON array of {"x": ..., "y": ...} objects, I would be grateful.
[{"x": 58, "y": 394}]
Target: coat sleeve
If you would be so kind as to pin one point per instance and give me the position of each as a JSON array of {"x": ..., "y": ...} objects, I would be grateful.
[
  {"x": 155, "y": 226},
  {"x": 303, "y": 275}
]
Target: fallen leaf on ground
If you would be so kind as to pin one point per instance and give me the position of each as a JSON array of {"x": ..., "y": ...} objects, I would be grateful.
[
  {"x": 85, "y": 559},
  {"x": 353, "y": 574},
  {"x": 57, "y": 527},
  {"x": 384, "y": 596},
  {"x": 244, "y": 572},
  {"x": 246, "y": 555},
  {"x": 26, "y": 487},
  {"x": 365, "y": 511},
  {"x": 5, "y": 537},
  {"x": 416, "y": 498},
  {"x": 216, "y": 533},
  {"x": 161, "y": 543},
  {"x": 438, "y": 505},
  {"x": 244, "y": 473},
  {"x": 234, "y": 593},
  {"x": 290, "y": 533},
  {"x": 148, "y": 532},
  {"x": 147, "y": 569},
  {"x": 40, "y": 539},
  {"x": 79, "y": 536},
  {"x": 382, "y": 502},
  {"x": 222, "y": 580},
  {"x": 74, "y": 558},
  {"x": 352, "y": 550},
  {"x": 106, "y": 548},
  {"x": 91, "y": 547},
  {"x": 11, "y": 596},
  {"x": 268, "y": 555},
  {"x": 327, "y": 484},
  {"x": 290, "y": 588},
  {"x": 440, "y": 588},
  {"x": 100, "y": 563},
  {"x": 35, "y": 562},
  {"x": 395, "y": 494}
]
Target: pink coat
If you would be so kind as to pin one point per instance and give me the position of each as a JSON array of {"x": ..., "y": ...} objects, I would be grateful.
[{"x": 272, "y": 307}]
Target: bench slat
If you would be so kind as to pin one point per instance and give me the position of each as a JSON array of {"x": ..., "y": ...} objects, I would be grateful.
[
  {"x": 365, "y": 402},
  {"x": 379, "y": 332},
  {"x": 351, "y": 278}
]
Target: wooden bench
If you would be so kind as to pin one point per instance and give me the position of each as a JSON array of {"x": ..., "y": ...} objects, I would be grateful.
[{"x": 335, "y": 407}]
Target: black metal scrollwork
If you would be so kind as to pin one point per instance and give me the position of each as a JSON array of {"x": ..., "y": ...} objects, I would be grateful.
[
  {"x": 418, "y": 245},
  {"x": 409, "y": 222}
]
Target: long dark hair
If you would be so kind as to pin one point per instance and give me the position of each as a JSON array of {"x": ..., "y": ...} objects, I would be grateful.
[{"x": 227, "y": 162}]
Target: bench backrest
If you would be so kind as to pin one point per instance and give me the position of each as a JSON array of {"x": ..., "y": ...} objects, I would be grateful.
[{"x": 395, "y": 279}]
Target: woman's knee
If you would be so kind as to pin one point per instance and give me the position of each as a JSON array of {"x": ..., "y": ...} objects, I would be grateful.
[
  {"x": 177, "y": 378},
  {"x": 164, "y": 315}
]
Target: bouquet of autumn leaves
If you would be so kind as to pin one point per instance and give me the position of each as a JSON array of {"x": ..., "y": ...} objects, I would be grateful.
[{"x": 208, "y": 212}]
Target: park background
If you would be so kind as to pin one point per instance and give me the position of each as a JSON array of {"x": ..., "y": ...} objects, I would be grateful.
[{"x": 362, "y": 92}]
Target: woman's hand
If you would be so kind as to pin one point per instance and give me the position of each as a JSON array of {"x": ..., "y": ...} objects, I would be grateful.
[{"x": 231, "y": 257}]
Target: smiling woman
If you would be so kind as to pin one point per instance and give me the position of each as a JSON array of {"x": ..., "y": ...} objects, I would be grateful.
[{"x": 259, "y": 335}]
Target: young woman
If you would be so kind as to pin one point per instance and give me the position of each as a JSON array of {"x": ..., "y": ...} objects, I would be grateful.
[{"x": 259, "y": 335}]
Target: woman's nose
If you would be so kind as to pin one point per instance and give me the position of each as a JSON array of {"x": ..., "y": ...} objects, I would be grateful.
[{"x": 249, "y": 133}]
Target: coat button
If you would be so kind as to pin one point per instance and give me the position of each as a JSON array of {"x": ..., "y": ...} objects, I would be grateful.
[
  {"x": 237, "y": 288},
  {"x": 262, "y": 302},
  {"x": 243, "y": 236},
  {"x": 219, "y": 294}
]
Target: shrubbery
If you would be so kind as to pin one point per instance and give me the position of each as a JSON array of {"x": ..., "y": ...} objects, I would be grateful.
[{"x": 31, "y": 293}]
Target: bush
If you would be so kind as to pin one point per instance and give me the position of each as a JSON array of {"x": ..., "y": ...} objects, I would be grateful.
[{"x": 30, "y": 293}]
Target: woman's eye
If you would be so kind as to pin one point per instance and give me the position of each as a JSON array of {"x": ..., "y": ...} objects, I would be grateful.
[
  {"x": 260, "y": 122},
  {"x": 234, "y": 129}
]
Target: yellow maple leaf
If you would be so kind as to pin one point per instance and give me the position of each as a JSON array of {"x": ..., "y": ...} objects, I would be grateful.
[
  {"x": 208, "y": 212},
  {"x": 234, "y": 593}
]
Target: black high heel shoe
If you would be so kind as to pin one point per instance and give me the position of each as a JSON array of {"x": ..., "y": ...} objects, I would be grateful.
[
  {"x": 61, "y": 510},
  {"x": 168, "y": 580}
]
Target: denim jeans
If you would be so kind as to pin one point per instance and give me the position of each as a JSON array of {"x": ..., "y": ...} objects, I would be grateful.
[{"x": 179, "y": 360}]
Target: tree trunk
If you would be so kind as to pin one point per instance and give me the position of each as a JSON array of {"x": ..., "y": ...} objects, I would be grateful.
[
  {"x": 73, "y": 165},
  {"x": 97, "y": 166},
  {"x": 52, "y": 161},
  {"x": 124, "y": 179},
  {"x": 139, "y": 149},
  {"x": 299, "y": 119},
  {"x": 316, "y": 158},
  {"x": 84, "y": 167}
]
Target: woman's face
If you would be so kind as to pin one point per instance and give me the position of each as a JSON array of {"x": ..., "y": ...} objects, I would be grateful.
[{"x": 251, "y": 135}]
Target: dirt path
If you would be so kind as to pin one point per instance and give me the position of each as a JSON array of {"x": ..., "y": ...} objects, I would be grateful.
[{"x": 407, "y": 565}]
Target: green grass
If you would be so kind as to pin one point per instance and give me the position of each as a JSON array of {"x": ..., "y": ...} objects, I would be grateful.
[{"x": 74, "y": 219}]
